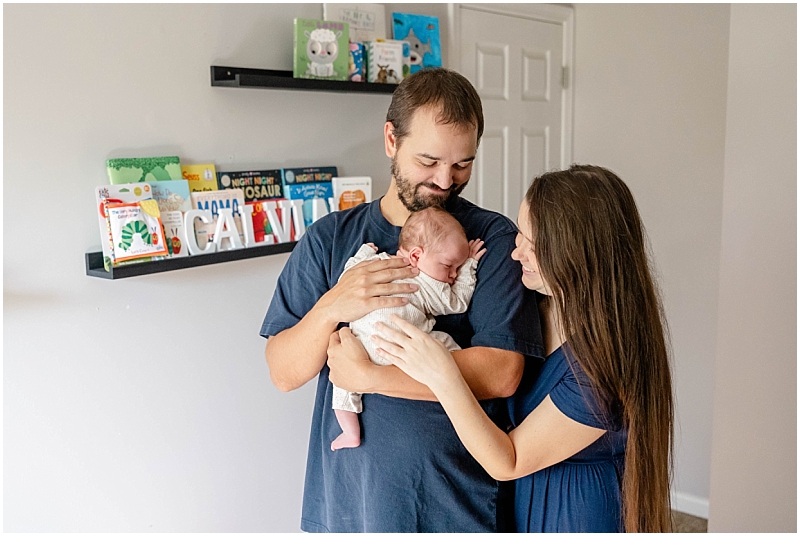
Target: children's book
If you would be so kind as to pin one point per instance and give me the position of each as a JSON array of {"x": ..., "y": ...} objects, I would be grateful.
[
  {"x": 355, "y": 72},
  {"x": 367, "y": 21},
  {"x": 158, "y": 168},
  {"x": 351, "y": 191},
  {"x": 201, "y": 177},
  {"x": 321, "y": 49},
  {"x": 116, "y": 193},
  {"x": 135, "y": 230},
  {"x": 172, "y": 195},
  {"x": 212, "y": 202},
  {"x": 422, "y": 33},
  {"x": 175, "y": 233},
  {"x": 257, "y": 186},
  {"x": 384, "y": 62},
  {"x": 309, "y": 183}
]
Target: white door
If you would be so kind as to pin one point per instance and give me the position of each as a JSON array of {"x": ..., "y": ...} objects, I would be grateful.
[{"x": 519, "y": 67}]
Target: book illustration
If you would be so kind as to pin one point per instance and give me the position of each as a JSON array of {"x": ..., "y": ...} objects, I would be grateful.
[
  {"x": 174, "y": 233},
  {"x": 213, "y": 202},
  {"x": 128, "y": 170},
  {"x": 351, "y": 191},
  {"x": 367, "y": 21},
  {"x": 201, "y": 177},
  {"x": 136, "y": 230},
  {"x": 422, "y": 33},
  {"x": 384, "y": 62},
  {"x": 257, "y": 186},
  {"x": 116, "y": 193},
  {"x": 321, "y": 49},
  {"x": 308, "y": 184},
  {"x": 355, "y": 71},
  {"x": 172, "y": 195}
]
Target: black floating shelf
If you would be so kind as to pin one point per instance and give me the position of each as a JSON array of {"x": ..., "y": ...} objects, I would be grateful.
[
  {"x": 94, "y": 261},
  {"x": 268, "y": 79}
]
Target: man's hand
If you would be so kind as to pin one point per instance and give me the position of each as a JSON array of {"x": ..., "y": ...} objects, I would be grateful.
[
  {"x": 366, "y": 287},
  {"x": 349, "y": 362}
]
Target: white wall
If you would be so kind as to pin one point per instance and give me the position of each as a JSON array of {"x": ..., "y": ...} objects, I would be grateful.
[
  {"x": 754, "y": 455},
  {"x": 650, "y": 83},
  {"x": 144, "y": 404}
]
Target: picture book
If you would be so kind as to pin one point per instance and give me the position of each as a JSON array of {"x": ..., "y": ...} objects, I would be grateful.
[
  {"x": 258, "y": 186},
  {"x": 158, "y": 168},
  {"x": 135, "y": 230},
  {"x": 309, "y": 183},
  {"x": 351, "y": 191},
  {"x": 367, "y": 21},
  {"x": 384, "y": 62},
  {"x": 406, "y": 72},
  {"x": 212, "y": 202},
  {"x": 116, "y": 193},
  {"x": 422, "y": 33},
  {"x": 321, "y": 49},
  {"x": 201, "y": 177},
  {"x": 174, "y": 233},
  {"x": 355, "y": 72},
  {"x": 172, "y": 195}
]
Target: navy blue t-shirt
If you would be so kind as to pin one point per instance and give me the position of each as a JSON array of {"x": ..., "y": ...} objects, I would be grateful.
[{"x": 411, "y": 472}]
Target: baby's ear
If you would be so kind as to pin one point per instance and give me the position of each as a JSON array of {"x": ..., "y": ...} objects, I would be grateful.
[{"x": 414, "y": 254}]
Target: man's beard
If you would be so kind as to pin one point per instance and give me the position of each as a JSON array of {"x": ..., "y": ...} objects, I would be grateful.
[{"x": 413, "y": 199}]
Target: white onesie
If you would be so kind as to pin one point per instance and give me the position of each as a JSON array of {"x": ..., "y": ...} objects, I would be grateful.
[{"x": 432, "y": 299}]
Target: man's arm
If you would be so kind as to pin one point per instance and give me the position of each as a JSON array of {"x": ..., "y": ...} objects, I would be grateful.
[
  {"x": 297, "y": 354},
  {"x": 489, "y": 372}
]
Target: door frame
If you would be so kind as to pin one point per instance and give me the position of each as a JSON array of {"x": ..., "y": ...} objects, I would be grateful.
[{"x": 560, "y": 15}]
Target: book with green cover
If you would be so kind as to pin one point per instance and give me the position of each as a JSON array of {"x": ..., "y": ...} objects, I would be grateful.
[
  {"x": 158, "y": 168},
  {"x": 321, "y": 49}
]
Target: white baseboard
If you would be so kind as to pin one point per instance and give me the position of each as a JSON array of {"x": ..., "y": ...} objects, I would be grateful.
[{"x": 690, "y": 504}]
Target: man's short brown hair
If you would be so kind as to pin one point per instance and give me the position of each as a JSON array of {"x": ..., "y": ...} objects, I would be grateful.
[{"x": 448, "y": 91}]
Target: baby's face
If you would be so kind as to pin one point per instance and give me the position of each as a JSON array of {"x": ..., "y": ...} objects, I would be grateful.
[{"x": 443, "y": 260}]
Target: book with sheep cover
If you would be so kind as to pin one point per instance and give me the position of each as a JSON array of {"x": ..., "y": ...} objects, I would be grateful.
[
  {"x": 157, "y": 168},
  {"x": 321, "y": 49}
]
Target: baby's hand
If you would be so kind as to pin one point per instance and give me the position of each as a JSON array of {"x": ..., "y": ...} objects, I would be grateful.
[
  {"x": 476, "y": 249},
  {"x": 373, "y": 246}
]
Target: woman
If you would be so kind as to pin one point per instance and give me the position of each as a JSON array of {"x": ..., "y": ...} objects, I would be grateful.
[{"x": 591, "y": 450}]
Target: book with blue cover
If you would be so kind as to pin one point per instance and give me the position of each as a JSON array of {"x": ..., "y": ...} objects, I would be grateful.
[
  {"x": 422, "y": 33},
  {"x": 307, "y": 184}
]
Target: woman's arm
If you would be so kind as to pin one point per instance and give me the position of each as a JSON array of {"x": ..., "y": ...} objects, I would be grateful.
[
  {"x": 489, "y": 372},
  {"x": 544, "y": 438}
]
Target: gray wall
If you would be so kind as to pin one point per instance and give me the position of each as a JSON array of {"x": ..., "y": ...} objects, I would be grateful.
[{"x": 754, "y": 455}]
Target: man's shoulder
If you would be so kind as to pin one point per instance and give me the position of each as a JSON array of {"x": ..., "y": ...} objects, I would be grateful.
[{"x": 481, "y": 221}]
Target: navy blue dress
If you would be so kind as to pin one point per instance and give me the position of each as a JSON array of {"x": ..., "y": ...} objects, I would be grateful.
[{"x": 581, "y": 493}]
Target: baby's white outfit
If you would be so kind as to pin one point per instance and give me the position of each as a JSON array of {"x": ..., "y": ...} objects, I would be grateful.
[{"x": 433, "y": 298}]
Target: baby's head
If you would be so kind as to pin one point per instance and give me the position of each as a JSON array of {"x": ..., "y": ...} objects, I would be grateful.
[{"x": 433, "y": 241}]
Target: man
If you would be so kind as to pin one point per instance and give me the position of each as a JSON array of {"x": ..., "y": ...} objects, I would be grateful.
[{"x": 411, "y": 473}]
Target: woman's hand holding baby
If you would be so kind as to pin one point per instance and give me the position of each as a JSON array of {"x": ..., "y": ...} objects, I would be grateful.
[{"x": 417, "y": 354}]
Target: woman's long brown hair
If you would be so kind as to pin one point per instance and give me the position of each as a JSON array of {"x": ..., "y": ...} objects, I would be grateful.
[{"x": 590, "y": 245}]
